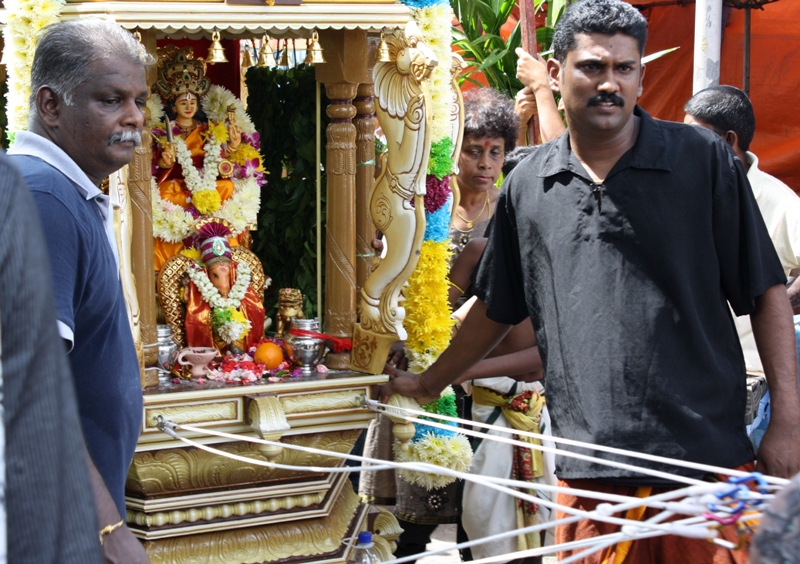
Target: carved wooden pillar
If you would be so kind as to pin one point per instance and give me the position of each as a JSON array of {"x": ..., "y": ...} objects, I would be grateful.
[
  {"x": 365, "y": 171},
  {"x": 345, "y": 51},
  {"x": 340, "y": 245},
  {"x": 142, "y": 246}
]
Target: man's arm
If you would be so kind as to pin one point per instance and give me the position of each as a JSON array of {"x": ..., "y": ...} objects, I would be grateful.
[
  {"x": 119, "y": 544},
  {"x": 478, "y": 335},
  {"x": 779, "y": 453},
  {"x": 793, "y": 288},
  {"x": 532, "y": 72}
]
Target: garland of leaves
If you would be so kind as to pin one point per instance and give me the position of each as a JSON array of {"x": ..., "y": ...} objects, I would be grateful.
[{"x": 281, "y": 103}]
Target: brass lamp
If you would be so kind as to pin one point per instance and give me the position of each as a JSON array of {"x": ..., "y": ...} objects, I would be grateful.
[
  {"x": 216, "y": 53},
  {"x": 266, "y": 56},
  {"x": 314, "y": 51}
]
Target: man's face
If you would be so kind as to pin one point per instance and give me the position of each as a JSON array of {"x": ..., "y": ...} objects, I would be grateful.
[
  {"x": 100, "y": 129},
  {"x": 185, "y": 107},
  {"x": 480, "y": 162},
  {"x": 599, "y": 82}
]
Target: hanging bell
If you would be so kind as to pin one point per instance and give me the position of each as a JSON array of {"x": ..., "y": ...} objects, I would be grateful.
[
  {"x": 266, "y": 56},
  {"x": 247, "y": 56},
  {"x": 216, "y": 53},
  {"x": 383, "y": 51},
  {"x": 284, "y": 54},
  {"x": 314, "y": 51}
]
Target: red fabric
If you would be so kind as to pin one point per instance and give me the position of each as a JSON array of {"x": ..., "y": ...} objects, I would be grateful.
[
  {"x": 774, "y": 75},
  {"x": 339, "y": 345},
  {"x": 198, "y": 317},
  {"x": 657, "y": 550}
]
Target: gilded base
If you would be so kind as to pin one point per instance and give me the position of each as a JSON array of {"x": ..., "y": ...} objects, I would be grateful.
[{"x": 304, "y": 541}]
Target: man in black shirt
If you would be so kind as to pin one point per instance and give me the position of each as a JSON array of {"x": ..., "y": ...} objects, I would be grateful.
[{"x": 624, "y": 240}]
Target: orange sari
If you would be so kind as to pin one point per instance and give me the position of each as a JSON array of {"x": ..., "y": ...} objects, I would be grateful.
[{"x": 172, "y": 187}]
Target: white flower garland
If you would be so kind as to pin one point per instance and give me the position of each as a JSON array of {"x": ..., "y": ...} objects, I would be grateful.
[
  {"x": 230, "y": 331},
  {"x": 26, "y": 19},
  {"x": 194, "y": 179},
  {"x": 210, "y": 293}
]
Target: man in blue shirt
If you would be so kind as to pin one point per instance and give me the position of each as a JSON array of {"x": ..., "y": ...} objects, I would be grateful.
[{"x": 88, "y": 89}]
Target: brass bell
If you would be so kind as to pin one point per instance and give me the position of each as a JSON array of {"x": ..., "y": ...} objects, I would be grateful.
[
  {"x": 216, "y": 53},
  {"x": 314, "y": 51},
  {"x": 284, "y": 54},
  {"x": 266, "y": 56},
  {"x": 383, "y": 51},
  {"x": 247, "y": 56}
]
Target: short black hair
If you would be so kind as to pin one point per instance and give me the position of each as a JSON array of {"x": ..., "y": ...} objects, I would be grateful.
[
  {"x": 489, "y": 113},
  {"x": 516, "y": 156},
  {"x": 608, "y": 17},
  {"x": 725, "y": 108}
]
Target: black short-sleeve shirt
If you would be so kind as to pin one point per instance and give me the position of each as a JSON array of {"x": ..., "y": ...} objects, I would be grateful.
[{"x": 628, "y": 292}]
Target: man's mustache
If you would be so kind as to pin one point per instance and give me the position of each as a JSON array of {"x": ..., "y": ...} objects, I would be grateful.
[
  {"x": 126, "y": 137},
  {"x": 605, "y": 98}
]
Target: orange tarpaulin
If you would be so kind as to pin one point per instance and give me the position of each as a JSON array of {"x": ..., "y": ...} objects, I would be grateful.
[{"x": 774, "y": 75}]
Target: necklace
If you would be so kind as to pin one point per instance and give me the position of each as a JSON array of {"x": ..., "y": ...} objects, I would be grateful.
[{"x": 470, "y": 222}]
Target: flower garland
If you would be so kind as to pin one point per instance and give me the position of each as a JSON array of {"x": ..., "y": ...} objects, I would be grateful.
[
  {"x": 226, "y": 319},
  {"x": 428, "y": 321},
  {"x": 172, "y": 222},
  {"x": 26, "y": 20}
]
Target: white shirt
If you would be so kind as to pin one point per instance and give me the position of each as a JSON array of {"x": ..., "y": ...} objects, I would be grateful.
[{"x": 780, "y": 208}]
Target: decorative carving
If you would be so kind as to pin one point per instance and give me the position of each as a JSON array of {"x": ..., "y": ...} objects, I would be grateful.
[
  {"x": 321, "y": 538},
  {"x": 402, "y": 430},
  {"x": 268, "y": 420},
  {"x": 171, "y": 284},
  {"x": 195, "y": 413},
  {"x": 326, "y": 401},
  {"x": 222, "y": 511},
  {"x": 184, "y": 470},
  {"x": 402, "y": 107},
  {"x": 456, "y": 125},
  {"x": 365, "y": 176}
]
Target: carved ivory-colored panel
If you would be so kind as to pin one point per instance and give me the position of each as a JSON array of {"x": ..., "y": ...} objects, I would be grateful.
[
  {"x": 321, "y": 538},
  {"x": 217, "y": 412},
  {"x": 325, "y": 401},
  {"x": 191, "y": 470}
]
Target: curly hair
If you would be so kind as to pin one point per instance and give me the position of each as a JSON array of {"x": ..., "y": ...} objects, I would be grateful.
[
  {"x": 489, "y": 113},
  {"x": 608, "y": 17}
]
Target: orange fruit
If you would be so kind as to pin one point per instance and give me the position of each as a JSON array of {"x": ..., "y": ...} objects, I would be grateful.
[{"x": 270, "y": 354}]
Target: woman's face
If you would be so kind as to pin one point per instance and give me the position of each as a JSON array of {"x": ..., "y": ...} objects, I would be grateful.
[
  {"x": 185, "y": 107},
  {"x": 480, "y": 162}
]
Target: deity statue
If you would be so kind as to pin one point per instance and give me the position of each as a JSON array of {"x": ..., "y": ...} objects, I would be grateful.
[
  {"x": 206, "y": 160},
  {"x": 212, "y": 296}
]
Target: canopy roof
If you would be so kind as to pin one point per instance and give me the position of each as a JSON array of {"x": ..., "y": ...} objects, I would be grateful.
[{"x": 199, "y": 19}]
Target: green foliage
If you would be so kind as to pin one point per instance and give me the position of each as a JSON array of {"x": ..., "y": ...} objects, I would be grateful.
[
  {"x": 481, "y": 45},
  {"x": 281, "y": 103}
]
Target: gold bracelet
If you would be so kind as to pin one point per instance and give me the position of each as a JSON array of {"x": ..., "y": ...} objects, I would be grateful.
[
  {"x": 425, "y": 388},
  {"x": 108, "y": 529},
  {"x": 456, "y": 286}
]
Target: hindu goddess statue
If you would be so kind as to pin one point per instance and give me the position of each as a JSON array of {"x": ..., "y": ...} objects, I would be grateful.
[
  {"x": 224, "y": 309},
  {"x": 206, "y": 160}
]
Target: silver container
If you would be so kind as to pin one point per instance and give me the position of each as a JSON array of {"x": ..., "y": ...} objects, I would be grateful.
[
  {"x": 305, "y": 351},
  {"x": 167, "y": 350}
]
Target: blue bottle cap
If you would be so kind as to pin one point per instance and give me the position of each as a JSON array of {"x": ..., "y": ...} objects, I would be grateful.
[{"x": 365, "y": 537}]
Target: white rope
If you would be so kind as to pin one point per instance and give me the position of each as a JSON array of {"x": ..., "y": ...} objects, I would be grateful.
[
  {"x": 697, "y": 497},
  {"x": 401, "y": 412}
]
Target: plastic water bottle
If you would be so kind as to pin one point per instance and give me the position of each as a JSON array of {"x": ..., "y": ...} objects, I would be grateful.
[{"x": 364, "y": 552}]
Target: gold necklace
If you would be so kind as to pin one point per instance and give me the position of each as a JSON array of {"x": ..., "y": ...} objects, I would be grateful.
[{"x": 469, "y": 222}]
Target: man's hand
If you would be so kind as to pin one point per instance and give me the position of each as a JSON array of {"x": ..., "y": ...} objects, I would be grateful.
[
  {"x": 121, "y": 547},
  {"x": 779, "y": 452},
  {"x": 525, "y": 104},
  {"x": 532, "y": 71},
  {"x": 397, "y": 356},
  {"x": 403, "y": 383}
]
